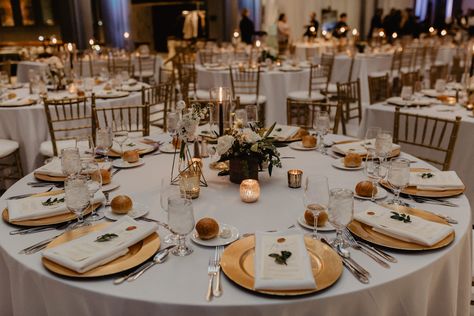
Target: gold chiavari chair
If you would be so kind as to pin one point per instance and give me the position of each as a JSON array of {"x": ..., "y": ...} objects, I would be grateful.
[
  {"x": 396, "y": 62},
  {"x": 310, "y": 54},
  {"x": 433, "y": 53},
  {"x": 85, "y": 61},
  {"x": 379, "y": 88},
  {"x": 434, "y": 137},
  {"x": 318, "y": 84},
  {"x": 158, "y": 98},
  {"x": 302, "y": 113},
  {"x": 120, "y": 64},
  {"x": 348, "y": 96},
  {"x": 410, "y": 78},
  {"x": 419, "y": 62},
  {"x": 10, "y": 162},
  {"x": 146, "y": 68},
  {"x": 407, "y": 59},
  {"x": 438, "y": 72},
  {"x": 67, "y": 119},
  {"x": 327, "y": 60},
  {"x": 206, "y": 57},
  {"x": 134, "y": 119}
]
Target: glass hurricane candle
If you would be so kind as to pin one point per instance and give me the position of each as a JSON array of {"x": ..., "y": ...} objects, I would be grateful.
[{"x": 249, "y": 190}]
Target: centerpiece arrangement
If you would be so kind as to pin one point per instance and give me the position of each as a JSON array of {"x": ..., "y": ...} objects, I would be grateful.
[{"x": 247, "y": 150}]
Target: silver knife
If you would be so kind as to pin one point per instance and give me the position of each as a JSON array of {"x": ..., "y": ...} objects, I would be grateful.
[{"x": 381, "y": 253}]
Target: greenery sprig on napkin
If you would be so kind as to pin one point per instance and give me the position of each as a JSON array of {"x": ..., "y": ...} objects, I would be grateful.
[
  {"x": 401, "y": 217},
  {"x": 281, "y": 259},
  {"x": 106, "y": 237},
  {"x": 51, "y": 201}
]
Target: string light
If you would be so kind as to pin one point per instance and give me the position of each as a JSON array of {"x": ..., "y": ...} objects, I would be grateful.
[
  {"x": 126, "y": 35},
  {"x": 41, "y": 38},
  {"x": 355, "y": 32},
  {"x": 394, "y": 35},
  {"x": 444, "y": 32},
  {"x": 258, "y": 43},
  {"x": 236, "y": 34},
  {"x": 91, "y": 42}
]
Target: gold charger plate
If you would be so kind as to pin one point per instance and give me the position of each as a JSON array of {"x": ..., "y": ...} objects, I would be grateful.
[
  {"x": 13, "y": 105},
  {"x": 366, "y": 232},
  {"x": 137, "y": 254},
  {"x": 45, "y": 177},
  {"x": 425, "y": 193},
  {"x": 56, "y": 219},
  {"x": 238, "y": 264}
]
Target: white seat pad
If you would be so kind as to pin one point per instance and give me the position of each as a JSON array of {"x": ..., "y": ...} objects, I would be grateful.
[
  {"x": 251, "y": 99},
  {"x": 46, "y": 148},
  {"x": 303, "y": 95},
  {"x": 7, "y": 147}
]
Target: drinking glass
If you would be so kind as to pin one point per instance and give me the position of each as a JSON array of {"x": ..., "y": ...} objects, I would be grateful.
[
  {"x": 322, "y": 126},
  {"x": 77, "y": 198},
  {"x": 104, "y": 73},
  {"x": 406, "y": 93},
  {"x": 120, "y": 138},
  {"x": 440, "y": 85},
  {"x": 375, "y": 170},
  {"x": 104, "y": 137},
  {"x": 241, "y": 114},
  {"x": 70, "y": 161},
  {"x": 181, "y": 222},
  {"x": 88, "y": 85},
  {"x": 85, "y": 144},
  {"x": 4, "y": 79},
  {"x": 166, "y": 191},
  {"x": 172, "y": 119},
  {"x": 370, "y": 136},
  {"x": 316, "y": 197},
  {"x": 383, "y": 144},
  {"x": 340, "y": 212},
  {"x": 252, "y": 114},
  {"x": 398, "y": 177},
  {"x": 92, "y": 173}
]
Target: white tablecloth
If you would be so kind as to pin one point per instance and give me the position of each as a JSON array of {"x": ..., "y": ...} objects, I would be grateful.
[
  {"x": 382, "y": 116},
  {"x": 275, "y": 85},
  {"x": 425, "y": 283},
  {"x": 28, "y": 126}
]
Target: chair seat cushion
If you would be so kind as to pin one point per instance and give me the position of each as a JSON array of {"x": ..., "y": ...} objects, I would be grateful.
[
  {"x": 332, "y": 88},
  {"x": 155, "y": 130},
  {"x": 46, "y": 148},
  {"x": 202, "y": 94},
  {"x": 304, "y": 96},
  {"x": 246, "y": 99},
  {"x": 7, "y": 147},
  {"x": 145, "y": 74}
]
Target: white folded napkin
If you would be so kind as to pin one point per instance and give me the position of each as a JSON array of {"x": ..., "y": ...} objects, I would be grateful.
[
  {"x": 296, "y": 275},
  {"x": 419, "y": 231},
  {"x": 440, "y": 181},
  {"x": 85, "y": 253},
  {"x": 32, "y": 207},
  {"x": 357, "y": 147},
  {"x": 54, "y": 168},
  {"x": 284, "y": 132},
  {"x": 131, "y": 144}
]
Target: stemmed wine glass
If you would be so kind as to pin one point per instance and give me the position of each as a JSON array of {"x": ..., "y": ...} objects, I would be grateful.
[
  {"x": 316, "y": 198},
  {"x": 77, "y": 198},
  {"x": 104, "y": 137},
  {"x": 383, "y": 145},
  {"x": 370, "y": 136},
  {"x": 322, "y": 126},
  {"x": 252, "y": 114},
  {"x": 340, "y": 212},
  {"x": 374, "y": 170},
  {"x": 181, "y": 222},
  {"x": 120, "y": 138},
  {"x": 172, "y": 120},
  {"x": 167, "y": 191},
  {"x": 85, "y": 144},
  {"x": 70, "y": 161},
  {"x": 398, "y": 177},
  {"x": 94, "y": 184}
]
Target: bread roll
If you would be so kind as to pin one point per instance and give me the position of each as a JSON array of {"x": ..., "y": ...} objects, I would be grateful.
[
  {"x": 131, "y": 156},
  {"x": 364, "y": 188},
  {"x": 207, "y": 228},
  {"x": 121, "y": 204},
  {"x": 309, "y": 141},
  {"x": 105, "y": 176},
  {"x": 322, "y": 218},
  {"x": 352, "y": 160}
]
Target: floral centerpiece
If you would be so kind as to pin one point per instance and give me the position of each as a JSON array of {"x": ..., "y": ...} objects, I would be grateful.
[
  {"x": 247, "y": 149},
  {"x": 188, "y": 123}
]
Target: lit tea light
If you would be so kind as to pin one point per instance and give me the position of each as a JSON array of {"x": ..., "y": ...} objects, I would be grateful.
[
  {"x": 431, "y": 29},
  {"x": 312, "y": 29},
  {"x": 249, "y": 190},
  {"x": 41, "y": 38},
  {"x": 54, "y": 40},
  {"x": 294, "y": 178},
  {"x": 444, "y": 32},
  {"x": 355, "y": 32},
  {"x": 394, "y": 35},
  {"x": 324, "y": 32},
  {"x": 91, "y": 42},
  {"x": 381, "y": 33}
]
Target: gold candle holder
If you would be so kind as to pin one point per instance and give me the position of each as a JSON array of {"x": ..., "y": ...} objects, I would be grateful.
[
  {"x": 189, "y": 183},
  {"x": 294, "y": 178},
  {"x": 249, "y": 190}
]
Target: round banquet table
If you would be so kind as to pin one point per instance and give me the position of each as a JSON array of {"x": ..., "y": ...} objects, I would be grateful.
[
  {"x": 29, "y": 127},
  {"x": 382, "y": 115},
  {"x": 274, "y": 84},
  {"x": 423, "y": 283}
]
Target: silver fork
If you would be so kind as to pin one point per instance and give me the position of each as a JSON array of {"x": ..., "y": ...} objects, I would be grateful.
[
  {"x": 217, "y": 260},
  {"x": 354, "y": 244},
  {"x": 38, "y": 246},
  {"x": 211, "y": 272}
]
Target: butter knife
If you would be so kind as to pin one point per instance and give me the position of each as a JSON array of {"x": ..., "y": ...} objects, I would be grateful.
[{"x": 380, "y": 252}]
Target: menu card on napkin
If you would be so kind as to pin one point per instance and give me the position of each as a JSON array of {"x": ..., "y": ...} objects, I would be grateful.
[
  {"x": 438, "y": 181},
  {"x": 131, "y": 144},
  {"x": 269, "y": 275},
  {"x": 86, "y": 253},
  {"x": 54, "y": 168},
  {"x": 357, "y": 147},
  {"x": 418, "y": 230},
  {"x": 284, "y": 132},
  {"x": 33, "y": 207}
]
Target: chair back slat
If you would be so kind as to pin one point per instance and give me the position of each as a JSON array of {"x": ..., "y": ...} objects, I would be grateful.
[
  {"x": 379, "y": 88},
  {"x": 348, "y": 95},
  {"x": 245, "y": 80},
  {"x": 302, "y": 113}
]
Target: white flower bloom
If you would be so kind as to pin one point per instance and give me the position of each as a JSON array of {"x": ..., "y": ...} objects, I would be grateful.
[
  {"x": 224, "y": 143},
  {"x": 180, "y": 105},
  {"x": 187, "y": 127},
  {"x": 250, "y": 136}
]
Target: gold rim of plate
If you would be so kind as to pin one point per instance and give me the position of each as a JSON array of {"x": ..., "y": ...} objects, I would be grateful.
[
  {"x": 137, "y": 254},
  {"x": 238, "y": 264},
  {"x": 45, "y": 177},
  {"x": 153, "y": 147},
  {"x": 7, "y": 105},
  {"x": 425, "y": 193},
  {"x": 366, "y": 232},
  {"x": 56, "y": 219}
]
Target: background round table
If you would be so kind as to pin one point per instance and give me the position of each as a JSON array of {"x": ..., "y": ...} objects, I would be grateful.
[{"x": 423, "y": 283}]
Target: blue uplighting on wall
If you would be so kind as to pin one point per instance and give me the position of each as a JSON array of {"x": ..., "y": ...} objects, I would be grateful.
[{"x": 116, "y": 16}]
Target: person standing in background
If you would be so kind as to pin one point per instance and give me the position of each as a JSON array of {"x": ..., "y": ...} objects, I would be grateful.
[
  {"x": 312, "y": 27},
  {"x": 341, "y": 29},
  {"x": 283, "y": 33},
  {"x": 376, "y": 22},
  {"x": 247, "y": 28}
]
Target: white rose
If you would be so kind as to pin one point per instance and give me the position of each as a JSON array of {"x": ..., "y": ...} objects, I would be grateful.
[
  {"x": 180, "y": 105},
  {"x": 224, "y": 143},
  {"x": 250, "y": 136}
]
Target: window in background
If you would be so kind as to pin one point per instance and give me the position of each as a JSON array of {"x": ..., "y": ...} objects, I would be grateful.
[
  {"x": 47, "y": 12},
  {"x": 27, "y": 12},
  {"x": 6, "y": 13}
]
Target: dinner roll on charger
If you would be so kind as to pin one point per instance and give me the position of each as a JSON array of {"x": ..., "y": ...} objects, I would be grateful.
[
  {"x": 121, "y": 204},
  {"x": 131, "y": 156},
  {"x": 309, "y": 141},
  {"x": 207, "y": 228},
  {"x": 322, "y": 218},
  {"x": 352, "y": 160},
  {"x": 364, "y": 188}
]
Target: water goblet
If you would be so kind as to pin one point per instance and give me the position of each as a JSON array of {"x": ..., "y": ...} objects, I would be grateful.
[
  {"x": 241, "y": 117},
  {"x": 407, "y": 93},
  {"x": 370, "y": 136},
  {"x": 120, "y": 137},
  {"x": 85, "y": 144},
  {"x": 104, "y": 137},
  {"x": 77, "y": 198},
  {"x": 93, "y": 175},
  {"x": 398, "y": 177},
  {"x": 322, "y": 126},
  {"x": 166, "y": 191},
  {"x": 181, "y": 222},
  {"x": 374, "y": 170},
  {"x": 252, "y": 114},
  {"x": 383, "y": 144},
  {"x": 70, "y": 161},
  {"x": 316, "y": 197},
  {"x": 340, "y": 212}
]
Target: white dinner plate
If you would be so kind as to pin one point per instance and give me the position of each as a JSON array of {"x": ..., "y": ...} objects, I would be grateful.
[
  {"x": 111, "y": 186},
  {"x": 326, "y": 228},
  {"x": 119, "y": 163},
  {"x": 339, "y": 164},
  {"x": 138, "y": 210},
  {"x": 168, "y": 149},
  {"x": 218, "y": 241},
  {"x": 299, "y": 146},
  {"x": 111, "y": 94},
  {"x": 381, "y": 194}
]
